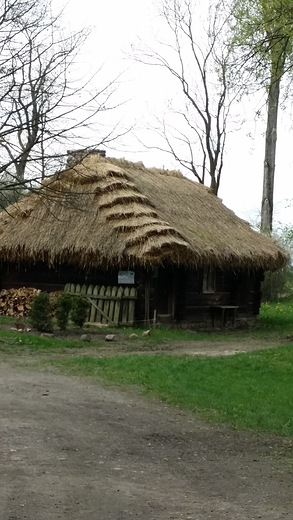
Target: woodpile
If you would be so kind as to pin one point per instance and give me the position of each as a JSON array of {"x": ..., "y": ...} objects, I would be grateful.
[{"x": 18, "y": 302}]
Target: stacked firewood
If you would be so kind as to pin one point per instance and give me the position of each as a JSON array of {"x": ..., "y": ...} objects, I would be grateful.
[{"x": 18, "y": 302}]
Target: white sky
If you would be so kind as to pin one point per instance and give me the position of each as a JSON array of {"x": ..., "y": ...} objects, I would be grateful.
[{"x": 115, "y": 26}]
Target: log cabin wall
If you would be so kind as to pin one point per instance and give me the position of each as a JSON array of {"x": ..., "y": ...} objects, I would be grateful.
[
  {"x": 173, "y": 292},
  {"x": 166, "y": 294},
  {"x": 142, "y": 302},
  {"x": 242, "y": 288},
  {"x": 155, "y": 287},
  {"x": 246, "y": 292},
  {"x": 50, "y": 279},
  {"x": 46, "y": 278},
  {"x": 198, "y": 302}
]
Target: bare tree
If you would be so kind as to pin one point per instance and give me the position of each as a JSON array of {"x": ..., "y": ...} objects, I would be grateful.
[
  {"x": 42, "y": 109},
  {"x": 199, "y": 60}
]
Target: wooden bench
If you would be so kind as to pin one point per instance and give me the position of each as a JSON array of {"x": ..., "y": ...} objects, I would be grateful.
[{"x": 224, "y": 311}]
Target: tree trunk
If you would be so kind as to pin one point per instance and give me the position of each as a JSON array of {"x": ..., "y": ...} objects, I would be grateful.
[
  {"x": 270, "y": 156},
  {"x": 214, "y": 188}
]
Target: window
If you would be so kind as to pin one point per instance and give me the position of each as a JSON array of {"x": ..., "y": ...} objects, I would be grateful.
[{"x": 208, "y": 280}]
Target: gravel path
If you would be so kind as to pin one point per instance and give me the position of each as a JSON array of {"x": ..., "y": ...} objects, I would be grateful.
[{"x": 74, "y": 449}]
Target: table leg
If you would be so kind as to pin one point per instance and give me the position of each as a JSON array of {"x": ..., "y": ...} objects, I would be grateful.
[{"x": 223, "y": 319}]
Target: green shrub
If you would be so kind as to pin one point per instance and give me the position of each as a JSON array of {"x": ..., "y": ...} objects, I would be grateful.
[
  {"x": 63, "y": 308},
  {"x": 40, "y": 313},
  {"x": 80, "y": 309},
  {"x": 278, "y": 285}
]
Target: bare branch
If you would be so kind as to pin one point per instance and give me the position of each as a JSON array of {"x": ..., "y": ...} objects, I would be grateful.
[
  {"x": 199, "y": 60},
  {"x": 42, "y": 109}
]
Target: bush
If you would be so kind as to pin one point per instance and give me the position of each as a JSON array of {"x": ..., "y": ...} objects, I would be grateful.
[
  {"x": 40, "y": 314},
  {"x": 79, "y": 312},
  {"x": 278, "y": 285},
  {"x": 63, "y": 308}
]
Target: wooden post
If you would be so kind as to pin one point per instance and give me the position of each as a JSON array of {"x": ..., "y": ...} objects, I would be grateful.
[
  {"x": 147, "y": 299},
  {"x": 133, "y": 292},
  {"x": 155, "y": 319}
]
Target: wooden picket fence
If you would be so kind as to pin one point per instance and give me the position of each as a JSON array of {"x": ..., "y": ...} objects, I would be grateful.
[{"x": 112, "y": 305}]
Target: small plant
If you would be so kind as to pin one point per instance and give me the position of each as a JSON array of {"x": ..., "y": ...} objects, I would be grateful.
[
  {"x": 63, "y": 308},
  {"x": 40, "y": 313},
  {"x": 79, "y": 312}
]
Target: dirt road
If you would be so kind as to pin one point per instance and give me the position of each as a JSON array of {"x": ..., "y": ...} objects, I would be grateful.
[{"x": 74, "y": 449}]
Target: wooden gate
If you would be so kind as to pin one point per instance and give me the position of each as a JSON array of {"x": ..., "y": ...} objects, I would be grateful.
[{"x": 112, "y": 305}]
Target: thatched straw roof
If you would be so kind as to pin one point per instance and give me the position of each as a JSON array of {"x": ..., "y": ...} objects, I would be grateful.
[{"x": 109, "y": 212}]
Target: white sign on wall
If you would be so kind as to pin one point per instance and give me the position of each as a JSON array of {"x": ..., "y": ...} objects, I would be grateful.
[{"x": 125, "y": 277}]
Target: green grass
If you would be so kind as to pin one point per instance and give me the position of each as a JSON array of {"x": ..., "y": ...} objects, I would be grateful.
[
  {"x": 247, "y": 391},
  {"x": 275, "y": 322},
  {"x": 276, "y": 318},
  {"x": 167, "y": 334},
  {"x": 17, "y": 342},
  {"x": 253, "y": 390}
]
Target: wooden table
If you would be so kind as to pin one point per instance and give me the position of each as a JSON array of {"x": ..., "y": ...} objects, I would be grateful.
[{"x": 224, "y": 310}]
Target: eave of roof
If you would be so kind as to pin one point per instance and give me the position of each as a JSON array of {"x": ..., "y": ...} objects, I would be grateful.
[{"x": 109, "y": 212}]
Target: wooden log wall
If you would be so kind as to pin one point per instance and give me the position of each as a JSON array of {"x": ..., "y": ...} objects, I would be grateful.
[
  {"x": 54, "y": 278},
  {"x": 51, "y": 279},
  {"x": 165, "y": 289},
  {"x": 231, "y": 288}
]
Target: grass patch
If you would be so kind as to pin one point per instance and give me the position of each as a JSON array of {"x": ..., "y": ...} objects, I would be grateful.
[
  {"x": 247, "y": 391},
  {"x": 253, "y": 390},
  {"x": 168, "y": 334},
  {"x": 276, "y": 318},
  {"x": 275, "y": 322},
  {"x": 15, "y": 343}
]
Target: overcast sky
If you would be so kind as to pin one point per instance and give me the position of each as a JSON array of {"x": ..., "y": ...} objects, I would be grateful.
[{"x": 116, "y": 25}]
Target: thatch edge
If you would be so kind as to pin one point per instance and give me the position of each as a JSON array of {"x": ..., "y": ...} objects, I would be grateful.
[{"x": 174, "y": 249}]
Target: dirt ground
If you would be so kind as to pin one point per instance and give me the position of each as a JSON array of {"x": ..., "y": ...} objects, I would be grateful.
[
  {"x": 190, "y": 348},
  {"x": 72, "y": 448}
]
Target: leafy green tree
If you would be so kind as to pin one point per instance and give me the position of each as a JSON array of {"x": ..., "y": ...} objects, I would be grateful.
[
  {"x": 263, "y": 39},
  {"x": 278, "y": 285}
]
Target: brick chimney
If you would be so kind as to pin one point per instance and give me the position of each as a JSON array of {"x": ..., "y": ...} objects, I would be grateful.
[{"x": 76, "y": 156}]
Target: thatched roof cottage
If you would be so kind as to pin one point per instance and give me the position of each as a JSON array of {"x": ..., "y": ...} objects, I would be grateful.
[{"x": 188, "y": 252}]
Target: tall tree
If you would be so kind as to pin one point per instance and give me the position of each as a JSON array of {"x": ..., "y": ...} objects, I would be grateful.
[
  {"x": 195, "y": 54},
  {"x": 263, "y": 33},
  {"x": 42, "y": 108}
]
